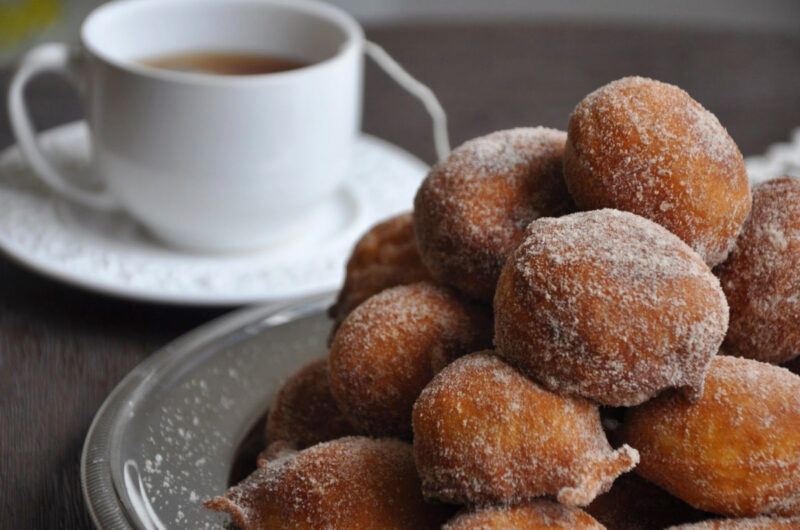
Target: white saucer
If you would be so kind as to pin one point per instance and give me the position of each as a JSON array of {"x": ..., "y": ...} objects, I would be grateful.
[
  {"x": 779, "y": 160},
  {"x": 110, "y": 253}
]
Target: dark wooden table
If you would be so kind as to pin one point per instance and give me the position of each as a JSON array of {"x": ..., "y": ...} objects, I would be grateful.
[{"x": 62, "y": 350}]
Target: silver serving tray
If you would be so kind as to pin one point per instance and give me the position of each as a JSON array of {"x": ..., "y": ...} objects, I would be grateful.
[{"x": 165, "y": 439}]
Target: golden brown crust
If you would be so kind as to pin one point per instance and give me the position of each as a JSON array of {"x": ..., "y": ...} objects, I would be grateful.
[
  {"x": 537, "y": 515},
  {"x": 353, "y": 483},
  {"x": 471, "y": 210},
  {"x": 304, "y": 412},
  {"x": 647, "y": 147},
  {"x": 734, "y": 452},
  {"x": 485, "y": 434},
  {"x": 609, "y": 306},
  {"x": 390, "y": 346},
  {"x": 385, "y": 256},
  {"x": 762, "y": 277}
]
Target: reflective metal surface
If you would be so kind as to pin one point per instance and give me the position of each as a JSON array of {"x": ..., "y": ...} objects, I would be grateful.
[{"x": 166, "y": 437}]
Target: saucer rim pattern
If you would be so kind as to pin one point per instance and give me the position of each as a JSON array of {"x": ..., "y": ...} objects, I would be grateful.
[{"x": 382, "y": 180}]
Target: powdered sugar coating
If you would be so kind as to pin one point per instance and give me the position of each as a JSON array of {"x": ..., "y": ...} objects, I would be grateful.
[
  {"x": 609, "y": 306},
  {"x": 647, "y": 147},
  {"x": 485, "y": 434},
  {"x": 354, "y": 483},
  {"x": 762, "y": 277},
  {"x": 385, "y": 256},
  {"x": 536, "y": 515},
  {"x": 389, "y": 347},
  {"x": 756, "y": 523},
  {"x": 736, "y": 451},
  {"x": 304, "y": 412},
  {"x": 472, "y": 209}
]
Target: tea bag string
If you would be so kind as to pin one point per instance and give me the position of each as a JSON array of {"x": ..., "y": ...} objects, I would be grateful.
[{"x": 393, "y": 69}]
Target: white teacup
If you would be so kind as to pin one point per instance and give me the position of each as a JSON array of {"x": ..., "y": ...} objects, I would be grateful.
[{"x": 208, "y": 162}]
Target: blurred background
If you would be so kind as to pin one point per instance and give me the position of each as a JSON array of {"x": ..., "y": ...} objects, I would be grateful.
[
  {"x": 496, "y": 64},
  {"x": 23, "y": 22}
]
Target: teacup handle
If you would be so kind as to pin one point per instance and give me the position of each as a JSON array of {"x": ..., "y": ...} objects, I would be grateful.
[
  {"x": 393, "y": 69},
  {"x": 59, "y": 58}
]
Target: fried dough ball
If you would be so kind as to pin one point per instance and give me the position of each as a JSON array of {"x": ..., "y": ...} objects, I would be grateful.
[
  {"x": 736, "y": 451},
  {"x": 609, "y": 306},
  {"x": 353, "y": 483},
  {"x": 485, "y": 434},
  {"x": 761, "y": 278},
  {"x": 537, "y": 515},
  {"x": 385, "y": 256},
  {"x": 389, "y": 347},
  {"x": 633, "y": 503},
  {"x": 756, "y": 523},
  {"x": 647, "y": 147},
  {"x": 304, "y": 412},
  {"x": 471, "y": 210}
]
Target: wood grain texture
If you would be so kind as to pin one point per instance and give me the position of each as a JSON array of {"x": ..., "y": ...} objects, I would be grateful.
[{"x": 63, "y": 350}]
